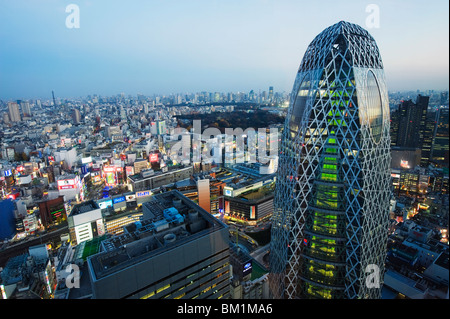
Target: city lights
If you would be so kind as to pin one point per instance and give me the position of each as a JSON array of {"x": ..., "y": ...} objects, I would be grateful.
[{"x": 260, "y": 154}]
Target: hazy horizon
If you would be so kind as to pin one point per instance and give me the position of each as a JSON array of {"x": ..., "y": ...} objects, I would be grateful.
[{"x": 174, "y": 46}]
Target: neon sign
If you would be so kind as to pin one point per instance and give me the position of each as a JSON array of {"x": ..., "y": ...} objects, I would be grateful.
[
  {"x": 153, "y": 158},
  {"x": 118, "y": 200},
  {"x": 144, "y": 193}
]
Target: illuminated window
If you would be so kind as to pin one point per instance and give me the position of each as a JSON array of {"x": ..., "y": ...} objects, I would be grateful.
[
  {"x": 163, "y": 288},
  {"x": 148, "y": 295}
]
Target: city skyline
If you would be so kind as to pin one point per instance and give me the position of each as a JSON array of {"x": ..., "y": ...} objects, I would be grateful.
[
  {"x": 178, "y": 150},
  {"x": 167, "y": 47}
]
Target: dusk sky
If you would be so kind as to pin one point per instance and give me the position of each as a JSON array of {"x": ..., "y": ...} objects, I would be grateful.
[{"x": 179, "y": 46}]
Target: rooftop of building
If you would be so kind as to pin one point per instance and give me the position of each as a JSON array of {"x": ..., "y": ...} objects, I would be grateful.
[
  {"x": 151, "y": 173},
  {"x": 239, "y": 254},
  {"x": 242, "y": 176},
  {"x": 398, "y": 246},
  {"x": 85, "y": 289},
  {"x": 176, "y": 220},
  {"x": 12, "y": 272},
  {"x": 431, "y": 244},
  {"x": 263, "y": 192},
  {"x": 421, "y": 229},
  {"x": 442, "y": 260},
  {"x": 84, "y": 207},
  {"x": 66, "y": 176}
]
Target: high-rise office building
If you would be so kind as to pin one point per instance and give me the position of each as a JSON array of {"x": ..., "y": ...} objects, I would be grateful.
[
  {"x": 331, "y": 207},
  {"x": 85, "y": 222},
  {"x": 409, "y": 126},
  {"x": 251, "y": 96},
  {"x": 395, "y": 119},
  {"x": 76, "y": 116},
  {"x": 204, "y": 197},
  {"x": 270, "y": 93},
  {"x": 427, "y": 139},
  {"x": 161, "y": 127},
  {"x": 444, "y": 98},
  {"x": 26, "y": 109},
  {"x": 5, "y": 118},
  {"x": 53, "y": 211},
  {"x": 13, "y": 110},
  {"x": 440, "y": 137},
  {"x": 181, "y": 252}
]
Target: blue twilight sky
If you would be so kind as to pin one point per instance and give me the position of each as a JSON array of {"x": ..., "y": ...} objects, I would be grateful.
[{"x": 179, "y": 46}]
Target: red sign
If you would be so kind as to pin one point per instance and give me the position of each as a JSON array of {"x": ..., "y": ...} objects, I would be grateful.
[
  {"x": 13, "y": 196},
  {"x": 66, "y": 182},
  {"x": 66, "y": 187},
  {"x": 153, "y": 158}
]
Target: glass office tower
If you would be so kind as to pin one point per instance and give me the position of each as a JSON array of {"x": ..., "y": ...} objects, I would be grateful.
[{"x": 331, "y": 208}]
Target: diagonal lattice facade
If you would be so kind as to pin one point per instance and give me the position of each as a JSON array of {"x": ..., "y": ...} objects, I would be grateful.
[{"x": 332, "y": 195}]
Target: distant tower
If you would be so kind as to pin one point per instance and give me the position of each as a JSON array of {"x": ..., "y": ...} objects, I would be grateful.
[
  {"x": 409, "y": 126},
  {"x": 26, "y": 109},
  {"x": 76, "y": 116},
  {"x": 440, "y": 137},
  {"x": 251, "y": 96},
  {"x": 270, "y": 93},
  {"x": 5, "y": 118},
  {"x": 444, "y": 98},
  {"x": 54, "y": 100},
  {"x": 14, "y": 114}
]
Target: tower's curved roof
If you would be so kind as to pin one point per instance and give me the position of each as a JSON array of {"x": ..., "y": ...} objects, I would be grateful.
[{"x": 354, "y": 42}]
